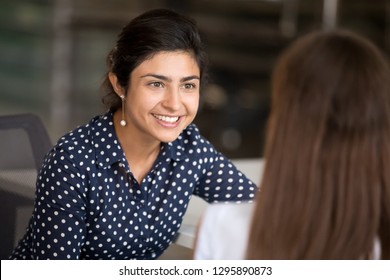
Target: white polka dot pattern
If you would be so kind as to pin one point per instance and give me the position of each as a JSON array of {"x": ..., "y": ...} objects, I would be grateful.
[{"x": 89, "y": 205}]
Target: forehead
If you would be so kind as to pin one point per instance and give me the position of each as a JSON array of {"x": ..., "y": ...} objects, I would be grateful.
[{"x": 172, "y": 62}]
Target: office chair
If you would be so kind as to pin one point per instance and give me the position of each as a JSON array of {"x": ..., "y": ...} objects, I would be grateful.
[{"x": 24, "y": 142}]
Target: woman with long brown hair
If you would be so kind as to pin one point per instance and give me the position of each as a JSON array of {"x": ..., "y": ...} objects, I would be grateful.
[{"x": 325, "y": 191}]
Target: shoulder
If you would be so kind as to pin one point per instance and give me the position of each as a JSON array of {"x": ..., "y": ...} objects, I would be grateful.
[
  {"x": 85, "y": 136},
  {"x": 190, "y": 145},
  {"x": 80, "y": 134},
  {"x": 193, "y": 142},
  {"x": 192, "y": 134},
  {"x": 80, "y": 144}
]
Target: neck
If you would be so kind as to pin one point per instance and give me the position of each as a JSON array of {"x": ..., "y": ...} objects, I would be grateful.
[{"x": 141, "y": 152}]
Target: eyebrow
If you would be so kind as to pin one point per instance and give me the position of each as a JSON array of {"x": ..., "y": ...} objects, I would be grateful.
[{"x": 165, "y": 78}]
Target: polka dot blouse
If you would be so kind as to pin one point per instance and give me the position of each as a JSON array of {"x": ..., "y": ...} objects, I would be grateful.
[{"x": 88, "y": 204}]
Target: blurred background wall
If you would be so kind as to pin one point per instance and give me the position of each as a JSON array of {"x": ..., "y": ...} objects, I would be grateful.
[{"x": 52, "y": 56}]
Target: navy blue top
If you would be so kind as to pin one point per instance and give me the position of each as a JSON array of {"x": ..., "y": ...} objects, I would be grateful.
[{"x": 89, "y": 205}]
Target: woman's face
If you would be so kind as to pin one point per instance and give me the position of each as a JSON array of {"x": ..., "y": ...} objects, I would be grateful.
[{"x": 163, "y": 96}]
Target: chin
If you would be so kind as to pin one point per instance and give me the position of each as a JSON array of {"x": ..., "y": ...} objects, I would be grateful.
[{"x": 169, "y": 138}]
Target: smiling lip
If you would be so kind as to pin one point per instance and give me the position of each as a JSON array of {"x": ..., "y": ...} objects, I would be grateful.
[{"x": 167, "y": 121}]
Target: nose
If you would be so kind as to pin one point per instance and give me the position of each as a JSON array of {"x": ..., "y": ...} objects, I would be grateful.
[{"x": 172, "y": 99}]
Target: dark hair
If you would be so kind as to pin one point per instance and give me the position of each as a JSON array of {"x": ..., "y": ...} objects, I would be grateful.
[
  {"x": 151, "y": 32},
  {"x": 325, "y": 192}
]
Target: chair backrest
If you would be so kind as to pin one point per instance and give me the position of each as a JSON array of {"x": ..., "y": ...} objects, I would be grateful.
[{"x": 24, "y": 142}]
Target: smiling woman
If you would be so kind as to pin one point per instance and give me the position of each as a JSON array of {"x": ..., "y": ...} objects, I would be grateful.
[
  {"x": 118, "y": 187},
  {"x": 161, "y": 100}
]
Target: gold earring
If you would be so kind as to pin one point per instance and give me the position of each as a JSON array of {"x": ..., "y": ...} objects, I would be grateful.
[{"x": 123, "y": 122}]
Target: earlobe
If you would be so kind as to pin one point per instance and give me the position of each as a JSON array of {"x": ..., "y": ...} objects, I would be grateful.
[{"x": 114, "y": 82}]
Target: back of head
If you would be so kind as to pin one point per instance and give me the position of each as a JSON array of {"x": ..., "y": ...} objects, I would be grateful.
[{"x": 325, "y": 193}]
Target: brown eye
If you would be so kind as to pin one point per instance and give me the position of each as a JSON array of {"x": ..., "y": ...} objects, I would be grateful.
[
  {"x": 189, "y": 86},
  {"x": 156, "y": 84}
]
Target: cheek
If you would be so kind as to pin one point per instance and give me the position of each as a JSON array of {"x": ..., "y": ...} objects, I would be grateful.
[
  {"x": 143, "y": 103},
  {"x": 193, "y": 104}
]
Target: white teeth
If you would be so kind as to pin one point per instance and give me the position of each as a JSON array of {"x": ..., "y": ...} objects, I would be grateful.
[{"x": 166, "y": 118}]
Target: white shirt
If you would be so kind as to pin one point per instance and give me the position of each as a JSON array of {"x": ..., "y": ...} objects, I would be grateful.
[{"x": 223, "y": 232}]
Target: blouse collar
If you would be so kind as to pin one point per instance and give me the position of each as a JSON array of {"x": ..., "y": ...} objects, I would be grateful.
[{"x": 102, "y": 127}]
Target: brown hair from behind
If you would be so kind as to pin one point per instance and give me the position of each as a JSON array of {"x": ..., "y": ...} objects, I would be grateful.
[{"x": 325, "y": 192}]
